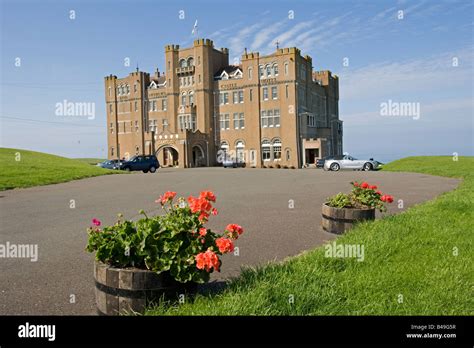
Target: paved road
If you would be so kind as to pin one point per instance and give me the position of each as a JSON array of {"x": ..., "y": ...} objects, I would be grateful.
[{"x": 257, "y": 199}]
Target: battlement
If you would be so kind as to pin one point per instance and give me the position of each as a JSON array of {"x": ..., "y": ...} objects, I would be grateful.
[
  {"x": 250, "y": 55},
  {"x": 203, "y": 42},
  {"x": 287, "y": 50},
  {"x": 171, "y": 48}
]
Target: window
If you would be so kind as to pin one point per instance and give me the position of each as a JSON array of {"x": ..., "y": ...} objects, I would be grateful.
[
  {"x": 136, "y": 126},
  {"x": 250, "y": 73},
  {"x": 251, "y": 94},
  {"x": 265, "y": 150},
  {"x": 137, "y": 150},
  {"x": 286, "y": 68},
  {"x": 164, "y": 124},
  {"x": 136, "y": 106},
  {"x": 191, "y": 98},
  {"x": 169, "y": 65},
  {"x": 182, "y": 63},
  {"x": 224, "y": 121},
  {"x": 199, "y": 78},
  {"x": 225, "y": 148},
  {"x": 240, "y": 151},
  {"x": 274, "y": 92},
  {"x": 241, "y": 96},
  {"x": 135, "y": 88},
  {"x": 183, "y": 99},
  {"x": 152, "y": 125},
  {"x": 180, "y": 81},
  {"x": 110, "y": 91},
  {"x": 193, "y": 122},
  {"x": 111, "y": 127},
  {"x": 311, "y": 120},
  {"x": 164, "y": 104},
  {"x": 192, "y": 79},
  {"x": 275, "y": 69},
  {"x": 199, "y": 61},
  {"x": 265, "y": 93},
  {"x": 223, "y": 98},
  {"x": 270, "y": 118},
  {"x": 110, "y": 109},
  {"x": 264, "y": 119},
  {"x": 112, "y": 152},
  {"x": 276, "y": 149},
  {"x": 276, "y": 117},
  {"x": 286, "y": 91},
  {"x": 190, "y": 61},
  {"x": 154, "y": 105},
  {"x": 235, "y": 97},
  {"x": 239, "y": 122},
  {"x": 260, "y": 71},
  {"x": 268, "y": 69},
  {"x": 288, "y": 155}
]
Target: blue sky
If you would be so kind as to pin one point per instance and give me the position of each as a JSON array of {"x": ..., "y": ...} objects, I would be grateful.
[{"x": 403, "y": 60}]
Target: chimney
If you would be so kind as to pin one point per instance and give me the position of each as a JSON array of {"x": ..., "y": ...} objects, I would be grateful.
[{"x": 157, "y": 73}]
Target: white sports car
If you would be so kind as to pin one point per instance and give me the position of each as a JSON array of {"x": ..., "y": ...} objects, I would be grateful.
[{"x": 349, "y": 162}]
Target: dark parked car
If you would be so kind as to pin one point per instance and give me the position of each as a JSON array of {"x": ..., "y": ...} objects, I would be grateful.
[
  {"x": 110, "y": 164},
  {"x": 144, "y": 163}
]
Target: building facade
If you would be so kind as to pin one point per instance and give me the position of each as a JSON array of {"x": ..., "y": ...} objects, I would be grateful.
[{"x": 269, "y": 111}]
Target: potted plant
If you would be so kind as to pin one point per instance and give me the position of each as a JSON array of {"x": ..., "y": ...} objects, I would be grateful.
[
  {"x": 342, "y": 211},
  {"x": 139, "y": 262}
]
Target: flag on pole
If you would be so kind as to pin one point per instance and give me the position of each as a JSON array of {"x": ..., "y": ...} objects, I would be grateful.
[{"x": 195, "y": 28}]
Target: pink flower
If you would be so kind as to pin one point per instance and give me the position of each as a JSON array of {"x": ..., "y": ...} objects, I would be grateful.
[{"x": 96, "y": 222}]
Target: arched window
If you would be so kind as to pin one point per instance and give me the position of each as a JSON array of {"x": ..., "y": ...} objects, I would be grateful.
[
  {"x": 240, "y": 151},
  {"x": 182, "y": 63},
  {"x": 268, "y": 69},
  {"x": 112, "y": 153},
  {"x": 265, "y": 150},
  {"x": 250, "y": 70},
  {"x": 224, "y": 149},
  {"x": 183, "y": 99},
  {"x": 286, "y": 68},
  {"x": 191, "y": 98},
  {"x": 190, "y": 61},
  {"x": 137, "y": 150},
  {"x": 261, "y": 72},
  {"x": 276, "y": 146},
  {"x": 275, "y": 69}
]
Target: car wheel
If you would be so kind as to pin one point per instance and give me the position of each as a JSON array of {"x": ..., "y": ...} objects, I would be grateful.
[
  {"x": 335, "y": 167},
  {"x": 145, "y": 171},
  {"x": 152, "y": 169},
  {"x": 367, "y": 167}
]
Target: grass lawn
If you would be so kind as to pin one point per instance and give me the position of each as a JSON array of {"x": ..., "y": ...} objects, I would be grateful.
[
  {"x": 92, "y": 161},
  {"x": 416, "y": 263},
  {"x": 36, "y": 168}
]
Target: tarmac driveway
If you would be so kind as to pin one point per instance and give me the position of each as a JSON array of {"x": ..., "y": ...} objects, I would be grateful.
[{"x": 280, "y": 210}]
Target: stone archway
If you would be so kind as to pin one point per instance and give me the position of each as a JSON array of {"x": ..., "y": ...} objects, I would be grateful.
[
  {"x": 168, "y": 156},
  {"x": 198, "y": 158}
]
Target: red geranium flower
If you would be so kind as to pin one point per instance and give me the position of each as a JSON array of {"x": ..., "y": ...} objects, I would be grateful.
[
  {"x": 208, "y": 195},
  {"x": 224, "y": 244},
  {"x": 234, "y": 230},
  {"x": 167, "y": 196},
  {"x": 202, "y": 231},
  {"x": 96, "y": 222},
  {"x": 373, "y": 187},
  {"x": 364, "y": 185},
  {"x": 207, "y": 261}
]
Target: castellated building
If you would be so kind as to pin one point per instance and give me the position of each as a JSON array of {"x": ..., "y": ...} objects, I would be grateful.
[{"x": 269, "y": 111}]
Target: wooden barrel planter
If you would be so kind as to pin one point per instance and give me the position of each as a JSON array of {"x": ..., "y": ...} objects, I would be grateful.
[
  {"x": 130, "y": 290},
  {"x": 338, "y": 220}
]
